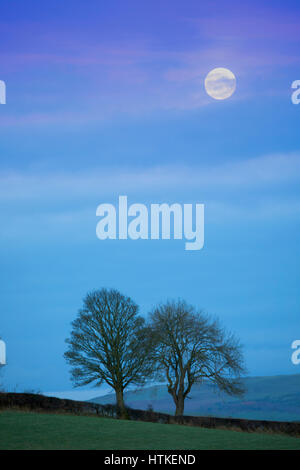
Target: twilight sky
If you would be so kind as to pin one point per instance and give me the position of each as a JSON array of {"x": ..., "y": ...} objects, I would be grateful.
[{"x": 107, "y": 98}]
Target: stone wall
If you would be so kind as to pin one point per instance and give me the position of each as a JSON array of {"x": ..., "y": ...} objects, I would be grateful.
[{"x": 41, "y": 403}]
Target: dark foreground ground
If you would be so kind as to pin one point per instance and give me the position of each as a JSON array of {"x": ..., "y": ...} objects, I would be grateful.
[{"x": 31, "y": 430}]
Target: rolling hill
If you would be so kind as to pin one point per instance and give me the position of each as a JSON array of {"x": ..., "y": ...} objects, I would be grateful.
[{"x": 269, "y": 398}]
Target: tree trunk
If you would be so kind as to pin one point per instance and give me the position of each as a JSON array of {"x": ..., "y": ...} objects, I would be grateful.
[
  {"x": 178, "y": 400},
  {"x": 179, "y": 406},
  {"x": 121, "y": 404}
]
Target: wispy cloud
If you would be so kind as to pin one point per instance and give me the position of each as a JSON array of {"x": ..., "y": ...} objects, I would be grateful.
[
  {"x": 261, "y": 172},
  {"x": 262, "y": 22},
  {"x": 143, "y": 71},
  {"x": 64, "y": 204}
]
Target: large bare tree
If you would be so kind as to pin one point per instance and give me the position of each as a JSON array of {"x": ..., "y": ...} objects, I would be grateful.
[
  {"x": 109, "y": 344},
  {"x": 191, "y": 347}
]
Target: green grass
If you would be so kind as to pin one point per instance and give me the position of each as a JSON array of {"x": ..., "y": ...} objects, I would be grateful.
[{"x": 27, "y": 430}]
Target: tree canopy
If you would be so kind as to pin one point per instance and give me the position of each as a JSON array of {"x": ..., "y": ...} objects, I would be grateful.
[
  {"x": 191, "y": 347},
  {"x": 108, "y": 343}
]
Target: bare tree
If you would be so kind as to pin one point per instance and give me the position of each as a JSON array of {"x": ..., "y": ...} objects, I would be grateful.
[
  {"x": 109, "y": 344},
  {"x": 191, "y": 347}
]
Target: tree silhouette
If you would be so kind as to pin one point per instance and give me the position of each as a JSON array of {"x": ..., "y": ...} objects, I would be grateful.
[
  {"x": 109, "y": 344},
  {"x": 191, "y": 347}
]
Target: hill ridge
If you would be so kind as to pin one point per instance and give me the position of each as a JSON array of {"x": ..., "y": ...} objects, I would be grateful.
[{"x": 268, "y": 397}]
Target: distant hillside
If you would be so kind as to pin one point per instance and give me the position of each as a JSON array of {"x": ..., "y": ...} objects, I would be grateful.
[{"x": 272, "y": 398}]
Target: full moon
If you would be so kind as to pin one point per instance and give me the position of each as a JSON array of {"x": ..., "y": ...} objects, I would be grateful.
[{"x": 220, "y": 83}]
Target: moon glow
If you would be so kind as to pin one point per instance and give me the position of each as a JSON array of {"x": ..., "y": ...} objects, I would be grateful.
[{"x": 220, "y": 83}]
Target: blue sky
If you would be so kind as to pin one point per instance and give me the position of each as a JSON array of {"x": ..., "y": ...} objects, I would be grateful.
[{"x": 109, "y": 99}]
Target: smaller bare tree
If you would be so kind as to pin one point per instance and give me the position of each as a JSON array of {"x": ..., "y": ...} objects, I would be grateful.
[
  {"x": 191, "y": 347},
  {"x": 109, "y": 344}
]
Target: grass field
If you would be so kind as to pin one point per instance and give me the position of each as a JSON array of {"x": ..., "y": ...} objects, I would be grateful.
[{"x": 26, "y": 430}]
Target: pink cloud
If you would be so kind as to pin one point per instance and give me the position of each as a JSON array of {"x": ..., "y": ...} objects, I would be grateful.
[{"x": 243, "y": 22}]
